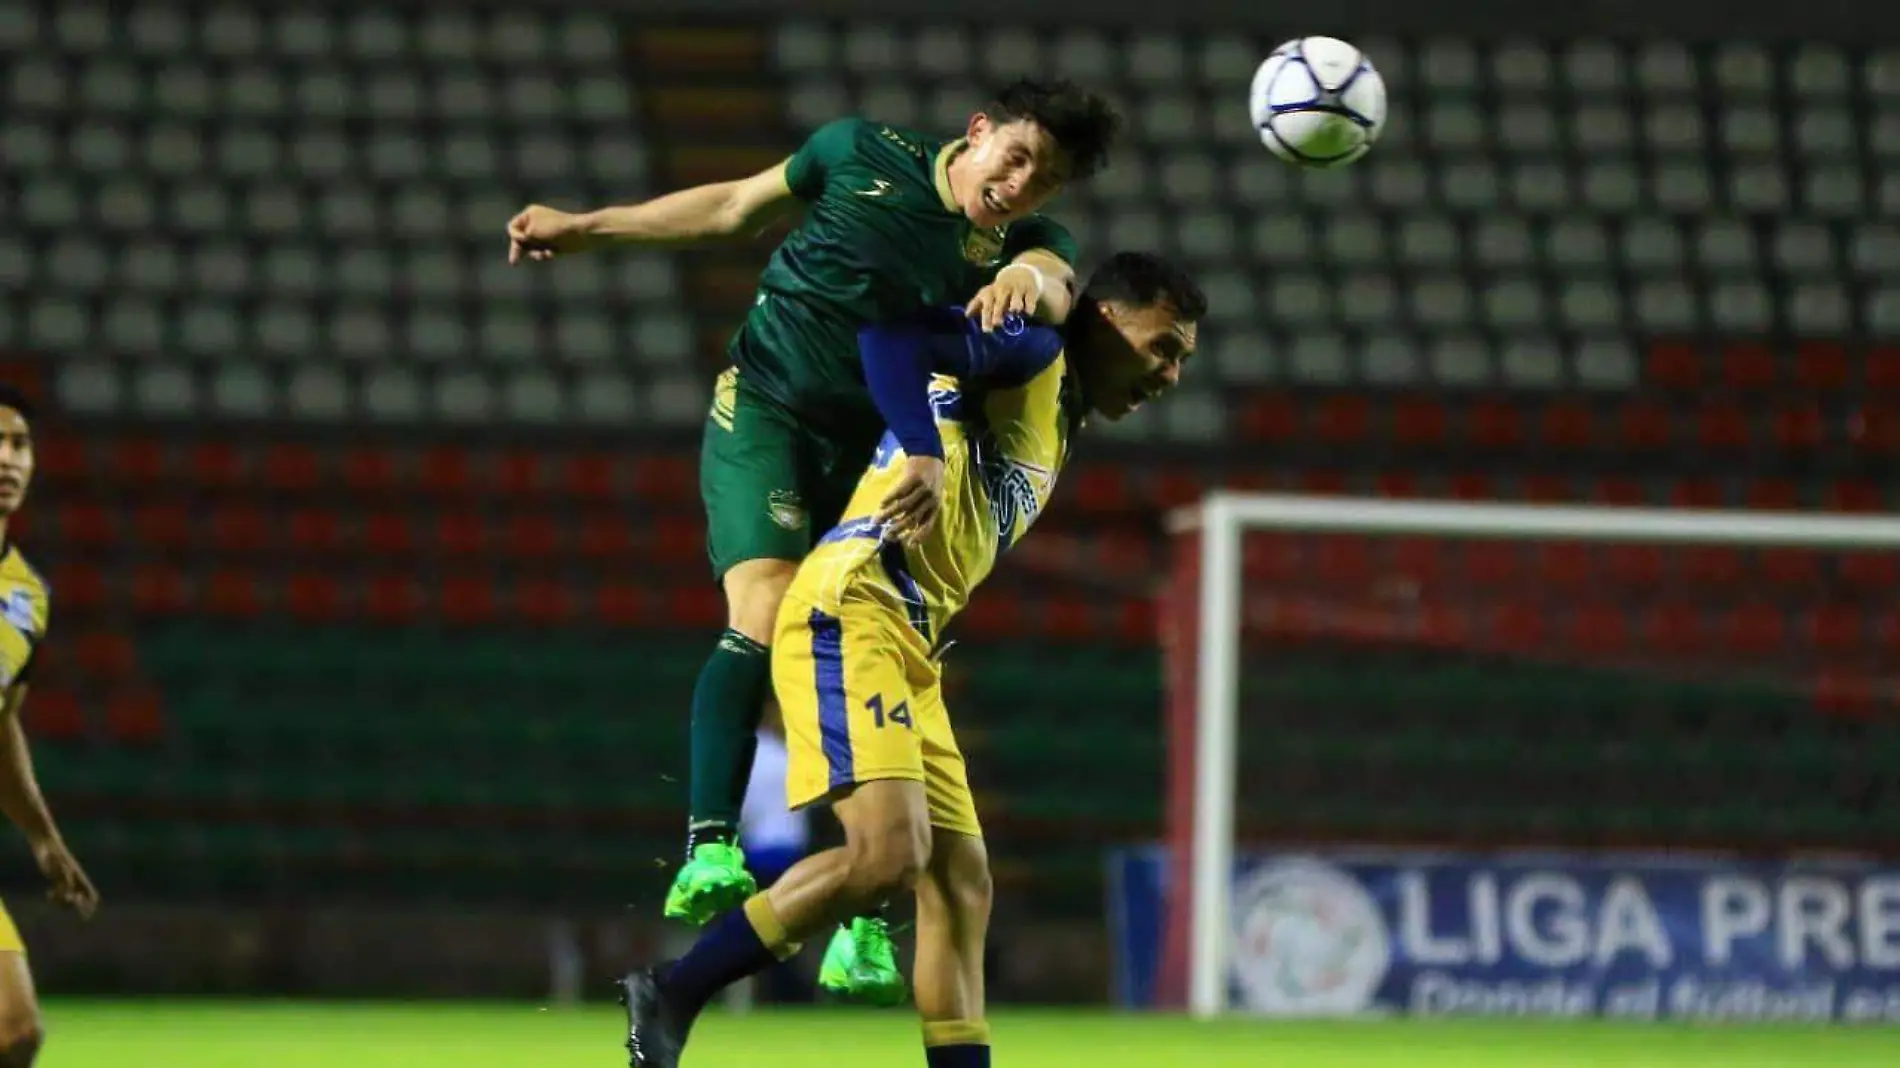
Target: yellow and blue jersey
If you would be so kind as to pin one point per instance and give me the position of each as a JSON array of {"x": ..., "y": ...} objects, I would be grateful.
[
  {"x": 1003, "y": 422},
  {"x": 25, "y": 607}
]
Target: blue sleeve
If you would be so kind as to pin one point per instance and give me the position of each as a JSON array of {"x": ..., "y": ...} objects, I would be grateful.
[{"x": 899, "y": 357}]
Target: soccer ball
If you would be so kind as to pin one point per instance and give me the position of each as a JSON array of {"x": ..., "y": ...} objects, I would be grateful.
[{"x": 1317, "y": 102}]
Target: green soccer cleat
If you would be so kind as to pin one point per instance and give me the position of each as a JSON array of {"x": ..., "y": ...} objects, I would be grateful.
[
  {"x": 715, "y": 880},
  {"x": 861, "y": 964}
]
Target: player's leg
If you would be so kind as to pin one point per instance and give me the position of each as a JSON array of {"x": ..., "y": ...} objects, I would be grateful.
[
  {"x": 860, "y": 961},
  {"x": 887, "y": 842},
  {"x": 843, "y": 685},
  {"x": 953, "y": 902},
  {"x": 953, "y": 918},
  {"x": 21, "y": 1032},
  {"x": 757, "y": 531}
]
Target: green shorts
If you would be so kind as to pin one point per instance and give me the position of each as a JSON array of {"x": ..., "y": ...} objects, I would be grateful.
[{"x": 772, "y": 485}]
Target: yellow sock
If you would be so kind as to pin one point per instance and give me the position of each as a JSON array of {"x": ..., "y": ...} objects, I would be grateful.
[
  {"x": 956, "y": 1033},
  {"x": 770, "y": 929}
]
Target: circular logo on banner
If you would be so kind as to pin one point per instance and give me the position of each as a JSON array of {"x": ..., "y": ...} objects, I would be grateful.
[{"x": 1308, "y": 941}]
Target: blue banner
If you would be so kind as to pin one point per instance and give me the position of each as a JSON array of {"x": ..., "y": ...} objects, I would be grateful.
[{"x": 1537, "y": 935}]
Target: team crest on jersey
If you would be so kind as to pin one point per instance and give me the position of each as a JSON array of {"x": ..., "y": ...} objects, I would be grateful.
[
  {"x": 1017, "y": 491},
  {"x": 984, "y": 248},
  {"x": 17, "y": 610},
  {"x": 786, "y": 508}
]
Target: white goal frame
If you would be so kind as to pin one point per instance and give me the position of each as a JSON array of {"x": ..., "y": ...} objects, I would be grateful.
[{"x": 1222, "y": 518}]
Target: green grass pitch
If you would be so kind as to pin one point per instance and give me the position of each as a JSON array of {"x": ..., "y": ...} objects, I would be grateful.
[{"x": 462, "y": 1035}]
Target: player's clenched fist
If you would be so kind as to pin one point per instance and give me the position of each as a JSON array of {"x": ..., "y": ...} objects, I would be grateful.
[
  {"x": 67, "y": 881},
  {"x": 910, "y": 509},
  {"x": 542, "y": 233},
  {"x": 1016, "y": 290}
]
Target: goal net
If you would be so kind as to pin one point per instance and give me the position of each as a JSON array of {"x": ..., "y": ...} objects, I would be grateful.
[{"x": 1351, "y": 673}]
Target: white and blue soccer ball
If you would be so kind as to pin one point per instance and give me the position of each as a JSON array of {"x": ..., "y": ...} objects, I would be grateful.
[{"x": 1318, "y": 102}]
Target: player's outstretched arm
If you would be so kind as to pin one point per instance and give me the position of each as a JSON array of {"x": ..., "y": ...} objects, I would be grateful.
[
  {"x": 1037, "y": 284},
  {"x": 899, "y": 358},
  {"x": 22, "y": 802},
  {"x": 722, "y": 211}
]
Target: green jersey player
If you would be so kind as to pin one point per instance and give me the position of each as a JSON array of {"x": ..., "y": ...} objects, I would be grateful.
[{"x": 895, "y": 221}]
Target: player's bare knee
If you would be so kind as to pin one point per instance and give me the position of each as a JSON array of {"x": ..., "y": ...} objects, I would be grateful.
[
  {"x": 963, "y": 872},
  {"x": 891, "y": 864},
  {"x": 754, "y": 590},
  {"x": 887, "y": 860}
]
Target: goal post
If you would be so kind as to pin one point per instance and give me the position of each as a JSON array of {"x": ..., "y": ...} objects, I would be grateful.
[{"x": 1204, "y": 613}]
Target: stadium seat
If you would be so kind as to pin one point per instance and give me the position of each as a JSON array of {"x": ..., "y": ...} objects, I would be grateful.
[
  {"x": 135, "y": 716},
  {"x": 1875, "y": 430},
  {"x": 217, "y": 466},
  {"x": 1397, "y": 485},
  {"x": 1799, "y": 428},
  {"x": 445, "y": 471},
  {"x": 1722, "y": 428},
  {"x": 665, "y": 479},
  {"x": 468, "y": 599},
  {"x": 1567, "y": 426},
  {"x": 1833, "y": 630},
  {"x": 234, "y": 594},
  {"x": 314, "y": 597},
  {"x": 104, "y": 655},
  {"x": 1102, "y": 490},
  {"x": 461, "y": 534},
  {"x": 159, "y": 591},
  {"x": 368, "y": 472},
  {"x": 289, "y": 468},
  {"x": 86, "y": 525},
  {"x": 239, "y": 529},
  {"x": 604, "y": 536},
  {"x": 543, "y": 601},
  {"x": 1643, "y": 426},
  {"x": 393, "y": 599},
  {"x": 315, "y": 532},
  {"x": 1870, "y": 571},
  {"x": 589, "y": 476},
  {"x": 1696, "y": 493},
  {"x": 1822, "y": 366},
  {"x": 696, "y": 605},
  {"x": 1773, "y": 494},
  {"x": 165, "y": 526},
  {"x": 55, "y": 714},
  {"x": 1418, "y": 422},
  {"x": 533, "y": 536},
  {"x": 1882, "y": 371},
  {"x": 620, "y": 605},
  {"x": 138, "y": 462},
  {"x": 1748, "y": 367},
  {"x": 1343, "y": 420}
]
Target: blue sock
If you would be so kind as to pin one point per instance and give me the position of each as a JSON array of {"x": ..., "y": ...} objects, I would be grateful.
[
  {"x": 957, "y": 1056},
  {"x": 728, "y": 950}
]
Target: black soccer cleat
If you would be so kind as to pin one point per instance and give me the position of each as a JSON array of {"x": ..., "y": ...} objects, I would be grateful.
[{"x": 656, "y": 1032}]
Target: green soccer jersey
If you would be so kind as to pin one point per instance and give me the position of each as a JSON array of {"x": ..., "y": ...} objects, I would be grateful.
[{"x": 881, "y": 238}]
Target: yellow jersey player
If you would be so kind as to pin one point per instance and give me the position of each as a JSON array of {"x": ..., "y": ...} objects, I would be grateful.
[
  {"x": 894, "y": 221},
  {"x": 853, "y": 661},
  {"x": 24, "y": 609}
]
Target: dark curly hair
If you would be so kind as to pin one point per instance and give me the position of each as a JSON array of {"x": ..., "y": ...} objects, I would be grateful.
[
  {"x": 1085, "y": 124},
  {"x": 1143, "y": 280},
  {"x": 16, "y": 399}
]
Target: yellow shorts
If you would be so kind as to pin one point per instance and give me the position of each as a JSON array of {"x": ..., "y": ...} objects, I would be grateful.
[
  {"x": 10, "y": 940},
  {"x": 863, "y": 701}
]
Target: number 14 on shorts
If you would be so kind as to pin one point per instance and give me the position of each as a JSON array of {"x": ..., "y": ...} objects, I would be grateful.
[{"x": 899, "y": 714}]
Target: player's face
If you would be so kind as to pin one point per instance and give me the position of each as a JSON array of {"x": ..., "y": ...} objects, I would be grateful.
[
  {"x": 16, "y": 460},
  {"x": 1009, "y": 171},
  {"x": 1134, "y": 355}
]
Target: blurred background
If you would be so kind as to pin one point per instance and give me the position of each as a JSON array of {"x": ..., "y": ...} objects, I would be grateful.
[{"x": 379, "y": 582}]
